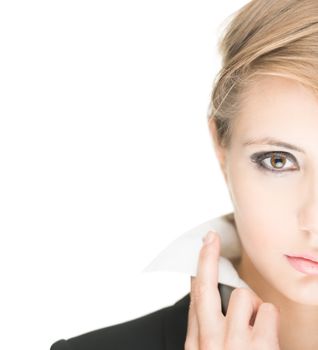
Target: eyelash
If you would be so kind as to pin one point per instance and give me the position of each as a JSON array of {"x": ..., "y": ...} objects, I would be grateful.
[{"x": 260, "y": 156}]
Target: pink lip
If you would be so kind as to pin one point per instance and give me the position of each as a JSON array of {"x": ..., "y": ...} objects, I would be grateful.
[
  {"x": 304, "y": 265},
  {"x": 305, "y": 256}
]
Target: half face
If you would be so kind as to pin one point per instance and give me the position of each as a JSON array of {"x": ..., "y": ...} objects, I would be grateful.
[{"x": 271, "y": 170}]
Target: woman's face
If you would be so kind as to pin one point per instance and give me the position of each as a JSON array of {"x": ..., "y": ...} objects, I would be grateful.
[{"x": 276, "y": 212}]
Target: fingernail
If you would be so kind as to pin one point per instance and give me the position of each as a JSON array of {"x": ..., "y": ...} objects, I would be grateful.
[{"x": 209, "y": 237}]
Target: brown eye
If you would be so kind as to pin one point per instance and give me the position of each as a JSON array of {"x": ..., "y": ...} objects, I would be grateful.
[
  {"x": 278, "y": 161},
  {"x": 273, "y": 161}
]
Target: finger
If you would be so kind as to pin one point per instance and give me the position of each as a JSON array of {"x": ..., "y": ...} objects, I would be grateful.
[
  {"x": 267, "y": 323},
  {"x": 192, "y": 339},
  {"x": 206, "y": 293},
  {"x": 241, "y": 311}
]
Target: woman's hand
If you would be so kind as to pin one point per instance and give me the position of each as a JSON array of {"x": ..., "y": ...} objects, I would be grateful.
[{"x": 249, "y": 324}]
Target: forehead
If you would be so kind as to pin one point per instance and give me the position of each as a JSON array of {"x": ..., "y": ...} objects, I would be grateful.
[{"x": 278, "y": 105}]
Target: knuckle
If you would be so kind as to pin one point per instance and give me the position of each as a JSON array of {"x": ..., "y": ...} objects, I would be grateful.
[
  {"x": 269, "y": 307},
  {"x": 241, "y": 293},
  {"x": 199, "y": 290}
]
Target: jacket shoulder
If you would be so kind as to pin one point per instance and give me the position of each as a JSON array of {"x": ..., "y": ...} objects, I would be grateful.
[{"x": 142, "y": 333}]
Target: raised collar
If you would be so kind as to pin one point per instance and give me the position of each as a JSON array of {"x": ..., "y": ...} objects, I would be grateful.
[{"x": 183, "y": 253}]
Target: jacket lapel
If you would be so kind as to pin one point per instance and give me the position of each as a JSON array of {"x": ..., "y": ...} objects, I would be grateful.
[{"x": 175, "y": 324}]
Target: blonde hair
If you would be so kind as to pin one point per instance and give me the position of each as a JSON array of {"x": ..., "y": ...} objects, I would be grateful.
[{"x": 264, "y": 37}]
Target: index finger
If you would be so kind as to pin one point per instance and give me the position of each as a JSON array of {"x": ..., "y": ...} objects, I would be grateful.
[{"x": 205, "y": 289}]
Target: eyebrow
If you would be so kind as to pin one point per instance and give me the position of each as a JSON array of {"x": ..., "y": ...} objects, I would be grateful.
[{"x": 274, "y": 142}]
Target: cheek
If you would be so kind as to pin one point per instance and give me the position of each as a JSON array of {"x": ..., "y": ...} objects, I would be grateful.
[
  {"x": 262, "y": 196},
  {"x": 262, "y": 211},
  {"x": 249, "y": 196}
]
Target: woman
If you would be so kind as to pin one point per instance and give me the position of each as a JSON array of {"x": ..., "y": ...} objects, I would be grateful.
[{"x": 264, "y": 124}]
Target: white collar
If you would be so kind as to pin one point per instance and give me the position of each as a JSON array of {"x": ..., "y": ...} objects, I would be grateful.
[{"x": 183, "y": 253}]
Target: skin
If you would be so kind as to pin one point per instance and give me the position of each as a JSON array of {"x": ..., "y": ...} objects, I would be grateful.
[
  {"x": 249, "y": 324},
  {"x": 277, "y": 214}
]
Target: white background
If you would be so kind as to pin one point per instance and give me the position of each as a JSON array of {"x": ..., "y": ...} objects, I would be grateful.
[{"x": 105, "y": 157}]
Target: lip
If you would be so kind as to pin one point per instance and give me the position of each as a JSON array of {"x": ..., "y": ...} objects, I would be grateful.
[
  {"x": 304, "y": 265},
  {"x": 305, "y": 256}
]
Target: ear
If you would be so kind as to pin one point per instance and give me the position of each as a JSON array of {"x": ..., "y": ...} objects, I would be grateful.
[{"x": 219, "y": 150}]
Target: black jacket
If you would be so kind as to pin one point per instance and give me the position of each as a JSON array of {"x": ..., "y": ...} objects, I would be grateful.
[{"x": 164, "y": 329}]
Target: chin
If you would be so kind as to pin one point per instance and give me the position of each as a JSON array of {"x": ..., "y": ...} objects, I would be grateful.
[{"x": 303, "y": 291}]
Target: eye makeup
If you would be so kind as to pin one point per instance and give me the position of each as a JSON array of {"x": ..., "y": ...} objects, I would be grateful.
[{"x": 259, "y": 158}]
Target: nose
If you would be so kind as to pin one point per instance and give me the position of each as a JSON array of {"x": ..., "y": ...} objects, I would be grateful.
[{"x": 309, "y": 209}]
